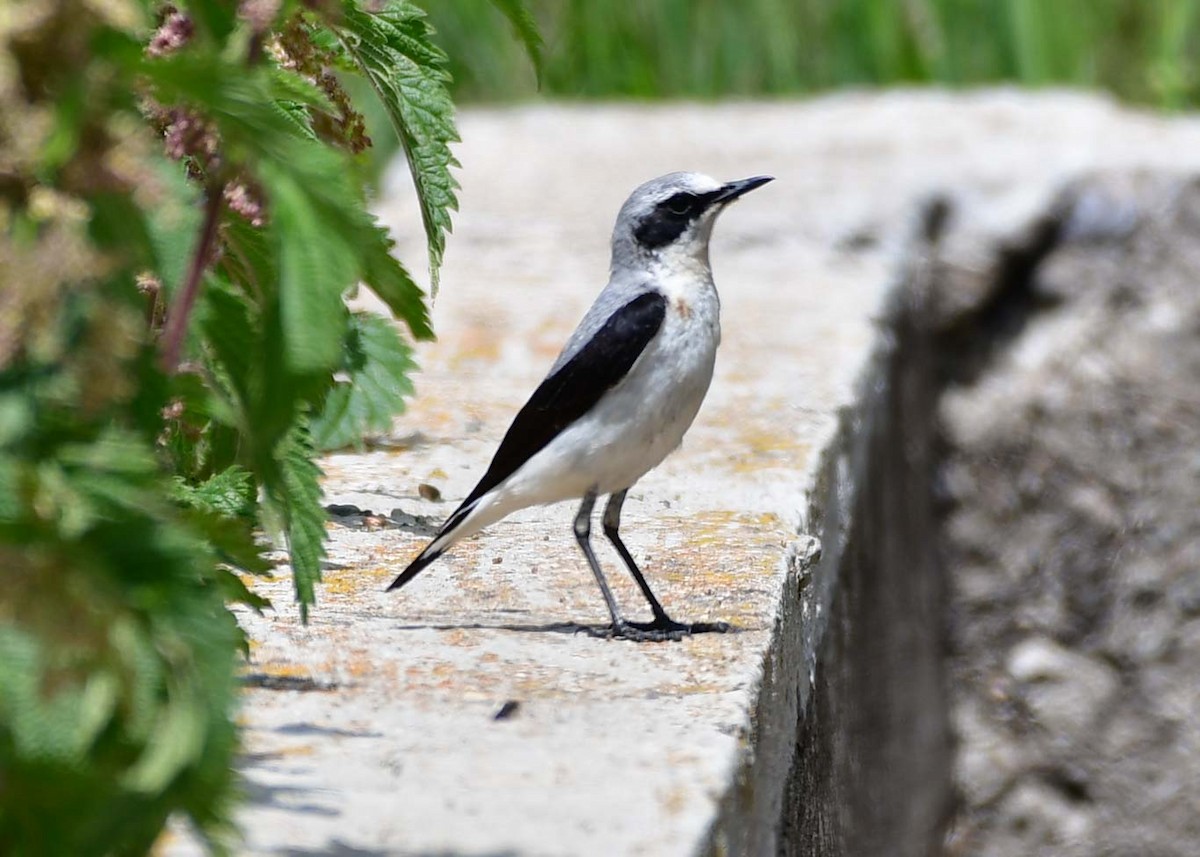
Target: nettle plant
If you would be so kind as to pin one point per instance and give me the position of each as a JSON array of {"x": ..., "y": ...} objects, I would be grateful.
[{"x": 183, "y": 211}]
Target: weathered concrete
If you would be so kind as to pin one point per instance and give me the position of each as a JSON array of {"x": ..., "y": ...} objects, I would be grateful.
[
  {"x": 371, "y": 731},
  {"x": 1072, "y": 424}
]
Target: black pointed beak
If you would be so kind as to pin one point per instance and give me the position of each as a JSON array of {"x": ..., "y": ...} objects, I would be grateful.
[{"x": 733, "y": 190}]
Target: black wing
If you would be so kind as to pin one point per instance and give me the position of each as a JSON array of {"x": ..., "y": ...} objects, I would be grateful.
[
  {"x": 575, "y": 388},
  {"x": 561, "y": 399}
]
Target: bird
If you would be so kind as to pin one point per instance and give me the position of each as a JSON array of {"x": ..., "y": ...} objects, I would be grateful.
[{"x": 623, "y": 391}]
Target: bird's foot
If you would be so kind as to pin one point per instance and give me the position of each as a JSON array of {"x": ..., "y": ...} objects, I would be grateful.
[{"x": 660, "y": 630}]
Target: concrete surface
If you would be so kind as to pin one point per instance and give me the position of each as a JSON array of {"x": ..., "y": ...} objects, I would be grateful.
[{"x": 372, "y": 730}]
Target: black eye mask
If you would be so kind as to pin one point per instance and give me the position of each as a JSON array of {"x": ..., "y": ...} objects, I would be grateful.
[
  {"x": 668, "y": 220},
  {"x": 681, "y": 204}
]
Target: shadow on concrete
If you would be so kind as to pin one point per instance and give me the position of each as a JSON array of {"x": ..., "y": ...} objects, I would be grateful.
[
  {"x": 284, "y": 797},
  {"x": 337, "y": 848},
  {"x": 323, "y": 731},
  {"x": 266, "y": 681},
  {"x": 591, "y": 630}
]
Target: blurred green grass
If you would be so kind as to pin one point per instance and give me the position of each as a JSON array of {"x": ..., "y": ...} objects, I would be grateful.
[{"x": 1144, "y": 51}]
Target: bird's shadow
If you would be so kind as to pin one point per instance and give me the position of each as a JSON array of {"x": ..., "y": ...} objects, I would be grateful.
[{"x": 570, "y": 628}]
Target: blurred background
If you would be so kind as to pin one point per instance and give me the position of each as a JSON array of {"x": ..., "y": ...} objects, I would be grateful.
[{"x": 1140, "y": 50}]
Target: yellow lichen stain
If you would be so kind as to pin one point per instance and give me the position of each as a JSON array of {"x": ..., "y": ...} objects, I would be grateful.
[
  {"x": 718, "y": 527},
  {"x": 252, "y": 581},
  {"x": 278, "y": 669},
  {"x": 287, "y": 670},
  {"x": 340, "y": 584},
  {"x": 758, "y": 447},
  {"x": 694, "y": 688},
  {"x": 721, "y": 565},
  {"x": 295, "y": 750},
  {"x": 351, "y": 581}
]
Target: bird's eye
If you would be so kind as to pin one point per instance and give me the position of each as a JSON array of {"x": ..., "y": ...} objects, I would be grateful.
[{"x": 680, "y": 204}]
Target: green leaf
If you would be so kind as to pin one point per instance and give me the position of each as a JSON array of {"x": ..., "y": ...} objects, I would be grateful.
[
  {"x": 375, "y": 386},
  {"x": 316, "y": 265},
  {"x": 248, "y": 106},
  {"x": 287, "y": 86},
  {"x": 119, "y": 224},
  {"x": 387, "y": 278},
  {"x": 233, "y": 590},
  {"x": 296, "y": 493},
  {"x": 230, "y": 329},
  {"x": 216, "y": 16},
  {"x": 230, "y": 493},
  {"x": 174, "y": 223},
  {"x": 395, "y": 53},
  {"x": 526, "y": 28},
  {"x": 177, "y": 738}
]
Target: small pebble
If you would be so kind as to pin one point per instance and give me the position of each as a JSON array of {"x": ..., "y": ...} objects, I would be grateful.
[
  {"x": 496, "y": 560},
  {"x": 429, "y": 492},
  {"x": 403, "y": 518}
]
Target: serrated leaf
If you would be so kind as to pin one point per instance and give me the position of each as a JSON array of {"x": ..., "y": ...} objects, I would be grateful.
[
  {"x": 387, "y": 278},
  {"x": 233, "y": 590},
  {"x": 297, "y": 492},
  {"x": 230, "y": 493},
  {"x": 395, "y": 53},
  {"x": 235, "y": 545},
  {"x": 375, "y": 387},
  {"x": 526, "y": 28}
]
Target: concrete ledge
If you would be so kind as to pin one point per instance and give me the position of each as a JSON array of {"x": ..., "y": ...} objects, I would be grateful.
[{"x": 797, "y": 509}]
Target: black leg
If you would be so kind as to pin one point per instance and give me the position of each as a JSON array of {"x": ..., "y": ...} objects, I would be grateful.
[
  {"x": 662, "y": 624},
  {"x": 612, "y": 527},
  {"x": 583, "y": 535}
]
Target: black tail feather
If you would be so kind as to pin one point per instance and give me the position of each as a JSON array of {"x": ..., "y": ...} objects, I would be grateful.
[
  {"x": 414, "y": 568},
  {"x": 430, "y": 553}
]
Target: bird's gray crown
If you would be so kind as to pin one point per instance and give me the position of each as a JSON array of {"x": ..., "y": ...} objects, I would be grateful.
[{"x": 674, "y": 209}]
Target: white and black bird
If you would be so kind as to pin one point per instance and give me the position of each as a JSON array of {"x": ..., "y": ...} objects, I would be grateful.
[{"x": 625, "y": 388}]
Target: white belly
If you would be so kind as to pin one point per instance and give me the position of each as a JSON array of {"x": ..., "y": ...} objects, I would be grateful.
[{"x": 635, "y": 426}]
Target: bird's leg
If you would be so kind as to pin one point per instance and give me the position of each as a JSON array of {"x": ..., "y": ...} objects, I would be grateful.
[
  {"x": 668, "y": 627},
  {"x": 583, "y": 535},
  {"x": 612, "y": 527}
]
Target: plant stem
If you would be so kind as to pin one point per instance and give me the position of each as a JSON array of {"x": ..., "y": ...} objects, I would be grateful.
[{"x": 181, "y": 309}]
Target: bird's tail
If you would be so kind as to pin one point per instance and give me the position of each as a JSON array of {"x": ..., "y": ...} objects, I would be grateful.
[
  {"x": 415, "y": 567},
  {"x": 451, "y": 532}
]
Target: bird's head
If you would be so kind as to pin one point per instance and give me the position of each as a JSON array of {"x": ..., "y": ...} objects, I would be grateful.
[{"x": 668, "y": 220}]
